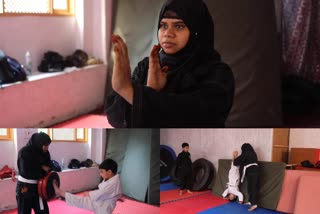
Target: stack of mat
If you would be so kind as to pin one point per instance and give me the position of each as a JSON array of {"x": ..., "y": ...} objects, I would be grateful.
[{"x": 270, "y": 182}]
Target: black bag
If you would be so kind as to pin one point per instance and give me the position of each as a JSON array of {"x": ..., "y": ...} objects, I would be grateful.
[
  {"x": 87, "y": 163},
  {"x": 79, "y": 59},
  {"x": 55, "y": 166},
  {"x": 11, "y": 71},
  {"x": 74, "y": 164},
  {"x": 307, "y": 164},
  {"x": 317, "y": 165},
  {"x": 51, "y": 62}
]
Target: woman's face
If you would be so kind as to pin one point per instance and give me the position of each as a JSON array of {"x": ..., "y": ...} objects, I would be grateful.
[{"x": 173, "y": 35}]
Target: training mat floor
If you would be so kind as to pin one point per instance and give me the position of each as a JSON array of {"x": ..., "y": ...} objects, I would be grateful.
[
  {"x": 173, "y": 195},
  {"x": 124, "y": 206},
  {"x": 85, "y": 121},
  {"x": 192, "y": 205},
  {"x": 168, "y": 186},
  {"x": 232, "y": 208}
]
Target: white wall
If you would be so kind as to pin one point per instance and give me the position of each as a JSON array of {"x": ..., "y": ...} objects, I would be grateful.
[
  {"x": 90, "y": 178},
  {"x": 64, "y": 34},
  {"x": 7, "y": 148},
  {"x": 98, "y": 144},
  {"x": 38, "y": 34},
  {"x": 304, "y": 138},
  {"x": 90, "y": 30},
  {"x": 94, "y": 149},
  {"x": 215, "y": 144}
]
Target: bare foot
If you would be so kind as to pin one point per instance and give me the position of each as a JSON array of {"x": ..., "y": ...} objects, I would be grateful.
[
  {"x": 253, "y": 208},
  {"x": 189, "y": 192},
  {"x": 56, "y": 188},
  {"x": 180, "y": 192}
]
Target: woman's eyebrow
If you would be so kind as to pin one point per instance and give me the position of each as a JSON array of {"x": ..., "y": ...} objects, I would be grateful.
[
  {"x": 174, "y": 22},
  {"x": 179, "y": 22}
]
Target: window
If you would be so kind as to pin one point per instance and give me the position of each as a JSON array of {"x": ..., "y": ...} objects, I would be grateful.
[
  {"x": 36, "y": 7},
  {"x": 67, "y": 135},
  {"x": 6, "y": 134}
]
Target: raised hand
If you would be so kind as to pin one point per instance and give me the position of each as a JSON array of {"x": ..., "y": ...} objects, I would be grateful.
[
  {"x": 157, "y": 76},
  {"x": 235, "y": 154},
  {"x": 121, "y": 78}
]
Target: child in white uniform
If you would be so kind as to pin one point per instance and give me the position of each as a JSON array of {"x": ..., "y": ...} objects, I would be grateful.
[
  {"x": 232, "y": 191},
  {"x": 103, "y": 200}
]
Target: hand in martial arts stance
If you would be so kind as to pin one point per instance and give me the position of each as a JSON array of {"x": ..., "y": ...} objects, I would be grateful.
[
  {"x": 34, "y": 162},
  {"x": 232, "y": 192},
  {"x": 103, "y": 200},
  {"x": 184, "y": 166},
  {"x": 248, "y": 162}
]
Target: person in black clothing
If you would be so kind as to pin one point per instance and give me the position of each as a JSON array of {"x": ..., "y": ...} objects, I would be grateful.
[
  {"x": 34, "y": 162},
  {"x": 183, "y": 83},
  {"x": 184, "y": 166},
  {"x": 248, "y": 162}
]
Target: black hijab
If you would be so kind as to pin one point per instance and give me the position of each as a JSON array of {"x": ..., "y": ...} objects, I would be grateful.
[
  {"x": 246, "y": 147},
  {"x": 31, "y": 157},
  {"x": 199, "y": 49},
  {"x": 200, "y": 46},
  {"x": 248, "y": 152},
  {"x": 38, "y": 140}
]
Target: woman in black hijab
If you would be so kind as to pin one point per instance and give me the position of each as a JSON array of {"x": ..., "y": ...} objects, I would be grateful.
[
  {"x": 183, "y": 83},
  {"x": 248, "y": 162},
  {"x": 34, "y": 162}
]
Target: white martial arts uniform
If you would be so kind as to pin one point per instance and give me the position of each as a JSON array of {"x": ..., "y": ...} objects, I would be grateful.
[
  {"x": 101, "y": 201},
  {"x": 233, "y": 184}
]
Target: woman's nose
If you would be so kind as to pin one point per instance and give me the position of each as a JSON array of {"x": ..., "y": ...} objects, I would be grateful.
[{"x": 169, "y": 32}]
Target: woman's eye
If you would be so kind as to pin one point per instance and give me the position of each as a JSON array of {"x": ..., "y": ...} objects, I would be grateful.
[
  {"x": 180, "y": 27},
  {"x": 164, "y": 26}
]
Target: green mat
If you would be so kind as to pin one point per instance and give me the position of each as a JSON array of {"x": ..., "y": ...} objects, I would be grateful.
[{"x": 270, "y": 182}]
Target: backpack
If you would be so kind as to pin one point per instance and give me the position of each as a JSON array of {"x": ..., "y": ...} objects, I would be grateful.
[
  {"x": 55, "y": 166},
  {"x": 74, "y": 164},
  {"x": 317, "y": 165},
  {"x": 11, "y": 71},
  {"x": 7, "y": 172},
  {"x": 307, "y": 164},
  {"x": 87, "y": 163},
  {"x": 51, "y": 62}
]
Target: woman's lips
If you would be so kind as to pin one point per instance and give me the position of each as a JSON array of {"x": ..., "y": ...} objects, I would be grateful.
[{"x": 167, "y": 44}]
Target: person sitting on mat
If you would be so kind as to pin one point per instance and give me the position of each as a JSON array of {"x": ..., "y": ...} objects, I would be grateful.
[
  {"x": 248, "y": 162},
  {"x": 34, "y": 162},
  {"x": 232, "y": 192},
  {"x": 184, "y": 166},
  {"x": 103, "y": 200}
]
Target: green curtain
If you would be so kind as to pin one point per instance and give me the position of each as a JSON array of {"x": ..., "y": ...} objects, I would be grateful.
[{"x": 135, "y": 151}]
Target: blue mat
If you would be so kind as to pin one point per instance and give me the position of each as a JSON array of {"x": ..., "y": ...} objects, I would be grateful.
[
  {"x": 232, "y": 208},
  {"x": 168, "y": 186}
]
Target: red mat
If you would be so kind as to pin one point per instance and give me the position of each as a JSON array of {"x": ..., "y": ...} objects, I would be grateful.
[
  {"x": 173, "y": 195},
  {"x": 193, "y": 205},
  {"x": 123, "y": 207},
  {"x": 86, "y": 121}
]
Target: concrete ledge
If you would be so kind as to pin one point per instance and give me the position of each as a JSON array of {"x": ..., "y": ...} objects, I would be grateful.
[
  {"x": 76, "y": 180},
  {"x": 49, "y": 99}
]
